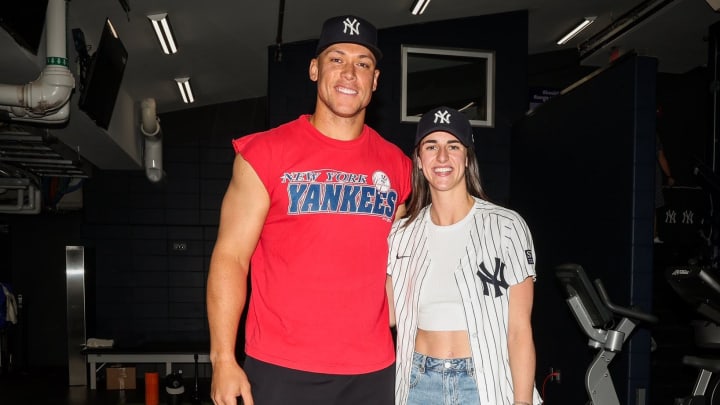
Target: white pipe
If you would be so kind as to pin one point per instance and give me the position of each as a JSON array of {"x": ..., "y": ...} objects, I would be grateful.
[
  {"x": 40, "y": 99},
  {"x": 55, "y": 29},
  {"x": 153, "y": 159},
  {"x": 150, "y": 123},
  {"x": 10, "y": 94},
  {"x": 150, "y": 127},
  {"x": 19, "y": 114}
]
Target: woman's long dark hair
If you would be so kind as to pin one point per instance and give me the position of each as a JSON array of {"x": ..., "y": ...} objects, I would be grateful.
[{"x": 420, "y": 196}]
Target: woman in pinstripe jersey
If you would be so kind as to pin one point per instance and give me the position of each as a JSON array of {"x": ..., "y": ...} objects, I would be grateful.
[{"x": 461, "y": 272}]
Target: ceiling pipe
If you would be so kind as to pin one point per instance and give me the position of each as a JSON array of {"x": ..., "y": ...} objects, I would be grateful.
[
  {"x": 278, "y": 38},
  {"x": 626, "y": 23},
  {"x": 45, "y": 100},
  {"x": 150, "y": 128}
]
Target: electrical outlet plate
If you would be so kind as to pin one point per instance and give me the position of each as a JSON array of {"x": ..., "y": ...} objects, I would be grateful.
[{"x": 555, "y": 374}]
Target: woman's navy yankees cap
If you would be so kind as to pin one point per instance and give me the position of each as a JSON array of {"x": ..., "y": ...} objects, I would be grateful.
[
  {"x": 448, "y": 120},
  {"x": 350, "y": 29}
]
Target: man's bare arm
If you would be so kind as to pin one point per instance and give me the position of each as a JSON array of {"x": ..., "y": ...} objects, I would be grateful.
[{"x": 242, "y": 216}]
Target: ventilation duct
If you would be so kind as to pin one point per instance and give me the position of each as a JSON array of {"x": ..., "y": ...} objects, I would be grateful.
[
  {"x": 150, "y": 128},
  {"x": 624, "y": 24},
  {"x": 44, "y": 100}
]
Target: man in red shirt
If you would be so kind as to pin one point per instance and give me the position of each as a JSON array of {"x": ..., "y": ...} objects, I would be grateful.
[{"x": 309, "y": 208}]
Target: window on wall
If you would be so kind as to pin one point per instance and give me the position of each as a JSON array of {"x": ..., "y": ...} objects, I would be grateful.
[{"x": 463, "y": 79}]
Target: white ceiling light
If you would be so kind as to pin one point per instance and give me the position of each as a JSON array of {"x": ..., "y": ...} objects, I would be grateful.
[
  {"x": 161, "y": 25},
  {"x": 112, "y": 28},
  {"x": 570, "y": 35},
  {"x": 419, "y": 6},
  {"x": 185, "y": 89}
]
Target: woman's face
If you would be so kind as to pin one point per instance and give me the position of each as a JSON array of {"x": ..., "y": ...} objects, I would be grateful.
[{"x": 442, "y": 159}]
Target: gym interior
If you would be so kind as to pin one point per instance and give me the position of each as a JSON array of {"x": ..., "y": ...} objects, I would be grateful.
[{"x": 580, "y": 168}]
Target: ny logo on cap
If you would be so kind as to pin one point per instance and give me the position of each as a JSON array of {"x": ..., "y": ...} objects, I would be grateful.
[
  {"x": 352, "y": 25},
  {"x": 442, "y": 117}
]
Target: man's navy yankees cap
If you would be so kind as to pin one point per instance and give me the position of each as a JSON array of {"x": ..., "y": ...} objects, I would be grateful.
[
  {"x": 448, "y": 120},
  {"x": 350, "y": 29}
]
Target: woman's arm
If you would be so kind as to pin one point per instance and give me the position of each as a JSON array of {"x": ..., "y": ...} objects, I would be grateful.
[
  {"x": 521, "y": 346},
  {"x": 391, "y": 300}
]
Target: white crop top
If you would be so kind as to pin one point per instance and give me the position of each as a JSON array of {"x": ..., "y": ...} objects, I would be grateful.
[{"x": 440, "y": 306}]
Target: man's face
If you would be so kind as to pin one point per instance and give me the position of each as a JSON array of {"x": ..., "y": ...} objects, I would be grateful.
[{"x": 346, "y": 77}]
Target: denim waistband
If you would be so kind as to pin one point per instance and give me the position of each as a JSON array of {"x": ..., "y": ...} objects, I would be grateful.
[{"x": 434, "y": 364}]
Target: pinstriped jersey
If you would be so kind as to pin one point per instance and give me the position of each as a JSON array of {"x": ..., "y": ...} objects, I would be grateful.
[{"x": 499, "y": 254}]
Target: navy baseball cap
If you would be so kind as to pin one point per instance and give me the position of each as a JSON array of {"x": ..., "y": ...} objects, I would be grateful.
[
  {"x": 448, "y": 120},
  {"x": 350, "y": 29}
]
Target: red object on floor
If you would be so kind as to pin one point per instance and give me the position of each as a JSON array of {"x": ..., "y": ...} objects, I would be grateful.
[{"x": 152, "y": 389}]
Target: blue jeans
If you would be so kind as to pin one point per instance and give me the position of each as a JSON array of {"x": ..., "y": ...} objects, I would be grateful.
[{"x": 442, "y": 382}]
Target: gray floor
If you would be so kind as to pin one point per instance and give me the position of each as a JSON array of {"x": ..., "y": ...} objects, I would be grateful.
[{"x": 49, "y": 387}]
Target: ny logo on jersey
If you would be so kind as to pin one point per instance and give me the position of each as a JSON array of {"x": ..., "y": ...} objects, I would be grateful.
[
  {"x": 442, "y": 117},
  {"x": 496, "y": 278},
  {"x": 352, "y": 25}
]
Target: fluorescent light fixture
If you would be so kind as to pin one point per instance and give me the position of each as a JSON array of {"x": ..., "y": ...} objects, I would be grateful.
[
  {"x": 112, "y": 28},
  {"x": 161, "y": 25},
  {"x": 419, "y": 6},
  {"x": 185, "y": 89},
  {"x": 570, "y": 35}
]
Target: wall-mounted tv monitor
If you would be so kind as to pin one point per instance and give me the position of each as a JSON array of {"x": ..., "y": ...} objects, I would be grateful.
[{"x": 102, "y": 83}]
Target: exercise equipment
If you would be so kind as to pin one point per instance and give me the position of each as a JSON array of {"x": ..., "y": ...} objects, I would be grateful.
[
  {"x": 195, "y": 397},
  {"x": 174, "y": 387},
  {"x": 598, "y": 318},
  {"x": 699, "y": 286}
]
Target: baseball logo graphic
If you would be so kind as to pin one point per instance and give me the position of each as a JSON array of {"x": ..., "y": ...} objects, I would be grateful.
[{"x": 381, "y": 181}]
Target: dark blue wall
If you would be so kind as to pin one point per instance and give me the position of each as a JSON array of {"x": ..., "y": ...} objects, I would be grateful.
[
  {"x": 583, "y": 172},
  {"x": 144, "y": 291},
  {"x": 571, "y": 176},
  {"x": 291, "y": 93},
  {"x": 148, "y": 291}
]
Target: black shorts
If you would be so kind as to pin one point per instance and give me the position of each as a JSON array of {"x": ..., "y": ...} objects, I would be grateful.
[{"x": 275, "y": 385}]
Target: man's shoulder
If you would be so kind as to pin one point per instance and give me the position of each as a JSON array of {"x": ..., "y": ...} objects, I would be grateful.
[{"x": 270, "y": 135}]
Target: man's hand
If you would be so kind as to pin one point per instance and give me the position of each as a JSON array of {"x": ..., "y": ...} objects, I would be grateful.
[{"x": 229, "y": 382}]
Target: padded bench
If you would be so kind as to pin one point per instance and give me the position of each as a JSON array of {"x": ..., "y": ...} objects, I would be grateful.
[{"x": 169, "y": 354}]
